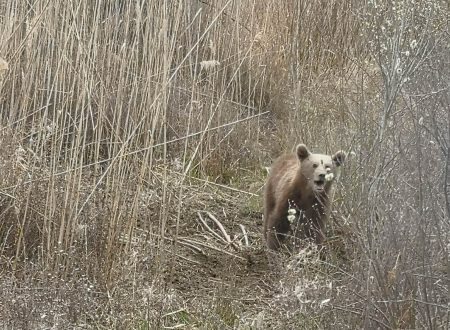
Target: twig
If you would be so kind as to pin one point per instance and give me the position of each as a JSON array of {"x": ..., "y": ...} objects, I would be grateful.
[
  {"x": 178, "y": 326},
  {"x": 431, "y": 304},
  {"x": 184, "y": 258},
  {"x": 222, "y": 229},
  {"x": 216, "y": 184},
  {"x": 210, "y": 247},
  {"x": 245, "y": 234},
  {"x": 192, "y": 246},
  {"x": 174, "y": 312},
  {"x": 209, "y": 228}
]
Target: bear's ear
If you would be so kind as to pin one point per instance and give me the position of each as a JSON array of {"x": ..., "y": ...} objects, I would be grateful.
[
  {"x": 302, "y": 152},
  {"x": 339, "y": 158}
]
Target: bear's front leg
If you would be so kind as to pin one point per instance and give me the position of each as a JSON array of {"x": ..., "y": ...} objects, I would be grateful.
[{"x": 277, "y": 229}]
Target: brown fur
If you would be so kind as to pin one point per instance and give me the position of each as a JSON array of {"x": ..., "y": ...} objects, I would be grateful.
[{"x": 298, "y": 178}]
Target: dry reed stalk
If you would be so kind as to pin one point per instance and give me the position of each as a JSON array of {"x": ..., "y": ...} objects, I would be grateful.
[{"x": 221, "y": 227}]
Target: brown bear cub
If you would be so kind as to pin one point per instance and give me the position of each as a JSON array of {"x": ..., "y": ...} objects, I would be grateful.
[{"x": 297, "y": 192}]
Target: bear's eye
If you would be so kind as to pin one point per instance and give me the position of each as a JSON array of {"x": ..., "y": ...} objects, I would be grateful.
[{"x": 315, "y": 165}]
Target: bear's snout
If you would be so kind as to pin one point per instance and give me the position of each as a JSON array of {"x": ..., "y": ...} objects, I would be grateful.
[
  {"x": 319, "y": 177},
  {"x": 319, "y": 182}
]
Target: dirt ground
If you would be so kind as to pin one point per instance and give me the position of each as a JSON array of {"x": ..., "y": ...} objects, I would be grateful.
[{"x": 215, "y": 274}]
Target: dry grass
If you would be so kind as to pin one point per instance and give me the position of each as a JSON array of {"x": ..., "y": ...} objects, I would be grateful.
[{"x": 134, "y": 137}]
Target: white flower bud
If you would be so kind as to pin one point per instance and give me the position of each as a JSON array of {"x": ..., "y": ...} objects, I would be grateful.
[{"x": 329, "y": 177}]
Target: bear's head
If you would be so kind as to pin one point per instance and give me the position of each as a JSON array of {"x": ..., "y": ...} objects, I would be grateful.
[{"x": 318, "y": 170}]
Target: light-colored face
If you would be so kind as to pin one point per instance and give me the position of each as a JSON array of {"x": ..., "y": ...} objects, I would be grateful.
[
  {"x": 319, "y": 170},
  {"x": 315, "y": 168}
]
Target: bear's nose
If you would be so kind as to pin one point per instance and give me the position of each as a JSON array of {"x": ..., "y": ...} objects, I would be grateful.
[{"x": 322, "y": 176}]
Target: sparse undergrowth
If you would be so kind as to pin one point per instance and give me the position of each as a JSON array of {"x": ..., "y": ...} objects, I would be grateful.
[{"x": 134, "y": 139}]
